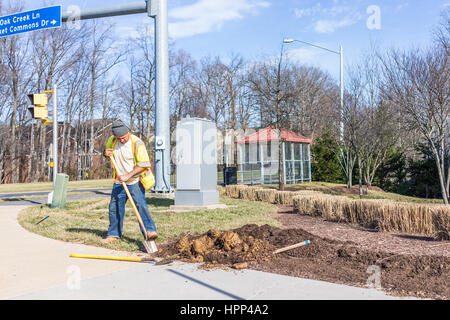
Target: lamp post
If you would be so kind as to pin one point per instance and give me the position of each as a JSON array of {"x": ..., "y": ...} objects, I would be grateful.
[
  {"x": 341, "y": 54},
  {"x": 281, "y": 164}
]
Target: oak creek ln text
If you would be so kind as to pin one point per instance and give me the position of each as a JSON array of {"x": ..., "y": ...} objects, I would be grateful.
[{"x": 7, "y": 24}]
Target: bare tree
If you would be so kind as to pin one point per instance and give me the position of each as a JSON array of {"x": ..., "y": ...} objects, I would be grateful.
[
  {"x": 268, "y": 81},
  {"x": 102, "y": 56},
  {"x": 185, "y": 88},
  {"x": 16, "y": 59},
  {"x": 55, "y": 52},
  {"x": 418, "y": 82},
  {"x": 314, "y": 99},
  {"x": 381, "y": 136},
  {"x": 380, "y": 119},
  {"x": 146, "y": 77},
  {"x": 355, "y": 120}
]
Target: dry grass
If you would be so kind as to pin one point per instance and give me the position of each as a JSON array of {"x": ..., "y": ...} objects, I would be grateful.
[
  {"x": 385, "y": 215},
  {"x": 333, "y": 189},
  {"x": 287, "y": 197},
  {"x": 427, "y": 219},
  {"x": 441, "y": 223}
]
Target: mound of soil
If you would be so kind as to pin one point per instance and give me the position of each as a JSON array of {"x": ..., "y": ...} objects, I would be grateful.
[
  {"x": 221, "y": 248},
  {"x": 324, "y": 259}
]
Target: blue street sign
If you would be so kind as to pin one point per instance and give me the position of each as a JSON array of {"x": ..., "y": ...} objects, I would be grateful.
[{"x": 43, "y": 18}]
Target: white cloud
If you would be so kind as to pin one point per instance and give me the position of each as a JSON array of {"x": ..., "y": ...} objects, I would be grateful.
[
  {"x": 328, "y": 26},
  {"x": 209, "y": 15}
]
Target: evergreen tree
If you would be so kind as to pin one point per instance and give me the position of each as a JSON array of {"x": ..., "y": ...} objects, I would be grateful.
[
  {"x": 324, "y": 159},
  {"x": 424, "y": 180},
  {"x": 391, "y": 175}
]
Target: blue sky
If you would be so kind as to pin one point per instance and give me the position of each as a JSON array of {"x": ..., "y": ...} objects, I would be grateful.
[{"x": 256, "y": 28}]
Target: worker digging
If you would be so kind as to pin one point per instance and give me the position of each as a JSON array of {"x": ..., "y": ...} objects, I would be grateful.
[{"x": 132, "y": 177}]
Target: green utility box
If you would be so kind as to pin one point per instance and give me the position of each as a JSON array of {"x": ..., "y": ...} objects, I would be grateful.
[{"x": 60, "y": 191}]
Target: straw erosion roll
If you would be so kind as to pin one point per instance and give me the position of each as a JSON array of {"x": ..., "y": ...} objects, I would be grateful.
[{"x": 382, "y": 214}]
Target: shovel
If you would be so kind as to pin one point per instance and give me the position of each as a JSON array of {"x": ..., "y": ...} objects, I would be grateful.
[{"x": 149, "y": 245}]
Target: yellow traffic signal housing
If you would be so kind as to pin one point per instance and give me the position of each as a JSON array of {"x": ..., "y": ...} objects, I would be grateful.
[
  {"x": 39, "y": 111},
  {"x": 38, "y": 99}
]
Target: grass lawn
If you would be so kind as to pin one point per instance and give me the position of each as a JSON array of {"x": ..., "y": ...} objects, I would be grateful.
[
  {"x": 48, "y": 186},
  {"x": 86, "y": 221},
  {"x": 330, "y": 188}
]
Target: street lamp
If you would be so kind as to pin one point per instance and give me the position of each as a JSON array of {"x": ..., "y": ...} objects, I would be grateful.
[{"x": 341, "y": 54}]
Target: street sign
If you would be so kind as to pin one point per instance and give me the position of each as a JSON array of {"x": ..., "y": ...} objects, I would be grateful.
[{"x": 44, "y": 18}]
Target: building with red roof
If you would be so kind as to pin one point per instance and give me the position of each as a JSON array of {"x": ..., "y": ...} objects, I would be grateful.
[{"x": 259, "y": 156}]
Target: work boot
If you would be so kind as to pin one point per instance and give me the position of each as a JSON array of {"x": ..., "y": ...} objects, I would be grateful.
[
  {"x": 109, "y": 239},
  {"x": 151, "y": 235}
]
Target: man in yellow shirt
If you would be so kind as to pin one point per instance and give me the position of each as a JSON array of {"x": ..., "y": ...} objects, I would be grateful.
[{"x": 133, "y": 167}]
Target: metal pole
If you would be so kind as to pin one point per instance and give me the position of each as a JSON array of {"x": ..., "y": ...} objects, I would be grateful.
[
  {"x": 301, "y": 161},
  {"x": 55, "y": 135},
  {"x": 241, "y": 166},
  {"x": 158, "y": 10},
  {"x": 283, "y": 158},
  {"x": 342, "y": 93},
  {"x": 293, "y": 162},
  {"x": 261, "y": 160},
  {"x": 110, "y": 11},
  {"x": 309, "y": 162}
]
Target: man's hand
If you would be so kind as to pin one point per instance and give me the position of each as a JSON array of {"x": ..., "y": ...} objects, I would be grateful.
[
  {"x": 108, "y": 153},
  {"x": 123, "y": 178},
  {"x": 129, "y": 175}
]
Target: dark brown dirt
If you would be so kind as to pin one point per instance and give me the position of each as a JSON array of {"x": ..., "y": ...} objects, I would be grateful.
[
  {"x": 332, "y": 260},
  {"x": 369, "y": 239}
]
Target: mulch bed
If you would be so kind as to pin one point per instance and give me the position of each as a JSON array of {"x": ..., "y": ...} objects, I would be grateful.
[{"x": 339, "y": 253}]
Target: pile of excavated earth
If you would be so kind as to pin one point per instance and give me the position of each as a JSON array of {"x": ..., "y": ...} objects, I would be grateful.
[{"x": 221, "y": 248}]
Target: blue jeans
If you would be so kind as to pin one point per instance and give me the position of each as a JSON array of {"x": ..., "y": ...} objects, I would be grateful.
[{"x": 117, "y": 209}]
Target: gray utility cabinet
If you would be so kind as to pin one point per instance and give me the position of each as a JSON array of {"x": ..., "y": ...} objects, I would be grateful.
[{"x": 196, "y": 162}]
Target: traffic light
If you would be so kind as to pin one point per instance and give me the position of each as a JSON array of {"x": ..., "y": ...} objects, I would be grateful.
[{"x": 40, "y": 101}]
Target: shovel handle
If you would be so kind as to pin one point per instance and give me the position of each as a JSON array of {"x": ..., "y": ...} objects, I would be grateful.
[{"x": 292, "y": 246}]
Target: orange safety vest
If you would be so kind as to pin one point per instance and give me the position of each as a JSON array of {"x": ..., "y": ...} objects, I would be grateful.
[{"x": 146, "y": 177}]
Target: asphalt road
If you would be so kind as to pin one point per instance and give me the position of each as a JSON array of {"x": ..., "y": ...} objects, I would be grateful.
[{"x": 12, "y": 199}]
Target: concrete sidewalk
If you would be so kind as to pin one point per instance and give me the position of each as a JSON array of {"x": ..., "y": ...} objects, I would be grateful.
[
  {"x": 34, "y": 267},
  {"x": 30, "y": 262}
]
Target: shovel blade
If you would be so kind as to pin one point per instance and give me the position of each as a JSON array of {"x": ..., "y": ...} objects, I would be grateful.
[{"x": 150, "y": 246}]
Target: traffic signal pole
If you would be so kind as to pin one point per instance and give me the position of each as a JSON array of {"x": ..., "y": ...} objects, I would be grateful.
[
  {"x": 55, "y": 133},
  {"x": 156, "y": 9}
]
